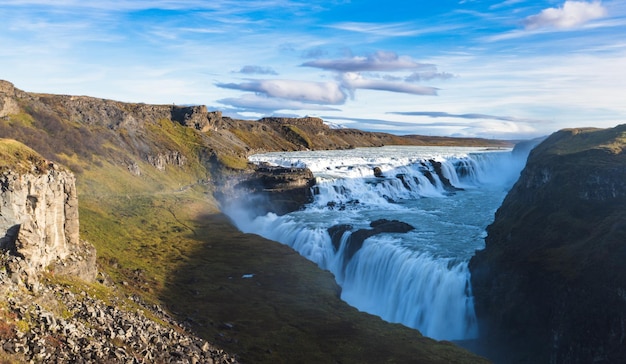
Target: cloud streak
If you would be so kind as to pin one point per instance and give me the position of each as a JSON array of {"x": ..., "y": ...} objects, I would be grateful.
[
  {"x": 378, "y": 61},
  {"x": 472, "y": 116},
  {"x": 571, "y": 15},
  {"x": 258, "y": 70},
  {"x": 252, "y": 102},
  {"x": 353, "y": 81},
  {"x": 401, "y": 29},
  {"x": 304, "y": 91}
]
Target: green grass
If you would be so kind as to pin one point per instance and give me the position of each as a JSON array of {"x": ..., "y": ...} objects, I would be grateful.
[
  {"x": 20, "y": 158},
  {"x": 21, "y": 119},
  {"x": 570, "y": 141},
  {"x": 300, "y": 136},
  {"x": 233, "y": 161}
]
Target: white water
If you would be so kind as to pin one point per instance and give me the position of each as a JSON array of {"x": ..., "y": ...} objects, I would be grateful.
[{"x": 419, "y": 278}]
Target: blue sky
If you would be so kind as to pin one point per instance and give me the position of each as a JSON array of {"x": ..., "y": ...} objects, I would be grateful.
[{"x": 487, "y": 68}]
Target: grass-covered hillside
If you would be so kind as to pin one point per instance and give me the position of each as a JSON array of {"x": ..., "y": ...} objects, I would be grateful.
[{"x": 146, "y": 175}]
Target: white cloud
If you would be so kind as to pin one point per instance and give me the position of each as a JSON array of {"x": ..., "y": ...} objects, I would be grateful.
[
  {"x": 497, "y": 129},
  {"x": 471, "y": 116},
  {"x": 305, "y": 91},
  {"x": 352, "y": 81},
  {"x": 382, "y": 29},
  {"x": 402, "y": 29},
  {"x": 249, "y": 69},
  {"x": 261, "y": 103},
  {"x": 572, "y": 14},
  {"x": 378, "y": 61},
  {"x": 428, "y": 75}
]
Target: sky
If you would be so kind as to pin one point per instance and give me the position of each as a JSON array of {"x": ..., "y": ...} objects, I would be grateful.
[{"x": 505, "y": 69}]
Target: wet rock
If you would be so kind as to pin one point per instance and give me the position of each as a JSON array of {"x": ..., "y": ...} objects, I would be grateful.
[
  {"x": 378, "y": 172},
  {"x": 355, "y": 241},
  {"x": 336, "y": 233},
  {"x": 271, "y": 189}
]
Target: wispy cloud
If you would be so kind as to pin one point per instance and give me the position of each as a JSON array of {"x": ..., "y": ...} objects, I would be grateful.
[
  {"x": 353, "y": 81},
  {"x": 572, "y": 14},
  {"x": 222, "y": 6},
  {"x": 484, "y": 128},
  {"x": 263, "y": 104},
  {"x": 506, "y": 3},
  {"x": 257, "y": 70},
  {"x": 304, "y": 91},
  {"x": 383, "y": 29},
  {"x": 378, "y": 61},
  {"x": 401, "y": 29},
  {"x": 428, "y": 76},
  {"x": 440, "y": 114}
]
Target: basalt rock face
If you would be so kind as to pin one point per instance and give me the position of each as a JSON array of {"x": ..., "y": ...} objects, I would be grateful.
[
  {"x": 269, "y": 189},
  {"x": 357, "y": 238},
  {"x": 39, "y": 222},
  {"x": 8, "y": 105},
  {"x": 115, "y": 114},
  {"x": 550, "y": 286}
]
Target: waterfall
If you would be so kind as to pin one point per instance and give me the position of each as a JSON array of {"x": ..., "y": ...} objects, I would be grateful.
[
  {"x": 414, "y": 289},
  {"x": 419, "y": 278}
]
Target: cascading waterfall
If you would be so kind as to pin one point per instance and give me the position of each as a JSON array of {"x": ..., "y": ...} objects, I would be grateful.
[{"x": 418, "y": 278}]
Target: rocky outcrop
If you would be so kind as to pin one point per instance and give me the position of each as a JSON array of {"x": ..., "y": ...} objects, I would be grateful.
[
  {"x": 161, "y": 160},
  {"x": 357, "y": 238},
  {"x": 8, "y": 103},
  {"x": 197, "y": 117},
  {"x": 268, "y": 189},
  {"x": 115, "y": 114},
  {"x": 550, "y": 286},
  {"x": 39, "y": 218}
]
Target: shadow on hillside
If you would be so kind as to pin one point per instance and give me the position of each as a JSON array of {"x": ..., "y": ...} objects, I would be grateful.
[{"x": 262, "y": 301}]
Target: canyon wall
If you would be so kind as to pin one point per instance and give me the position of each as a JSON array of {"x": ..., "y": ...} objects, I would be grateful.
[
  {"x": 39, "y": 217},
  {"x": 550, "y": 286}
]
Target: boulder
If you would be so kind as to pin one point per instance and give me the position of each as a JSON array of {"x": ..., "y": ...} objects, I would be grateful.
[{"x": 356, "y": 239}]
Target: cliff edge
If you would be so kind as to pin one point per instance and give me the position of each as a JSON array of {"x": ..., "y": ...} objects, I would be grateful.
[
  {"x": 39, "y": 215},
  {"x": 550, "y": 286}
]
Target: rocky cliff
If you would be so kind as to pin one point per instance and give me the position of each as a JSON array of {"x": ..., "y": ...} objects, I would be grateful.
[
  {"x": 550, "y": 286},
  {"x": 8, "y": 104},
  {"x": 266, "y": 189},
  {"x": 39, "y": 214}
]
